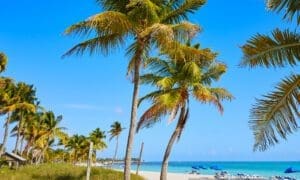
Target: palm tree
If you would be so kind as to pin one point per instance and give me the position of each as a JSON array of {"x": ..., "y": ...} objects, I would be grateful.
[
  {"x": 277, "y": 113},
  {"x": 79, "y": 146},
  {"x": 27, "y": 95},
  {"x": 97, "y": 136},
  {"x": 177, "y": 80},
  {"x": 51, "y": 130},
  {"x": 3, "y": 62},
  {"x": 151, "y": 23},
  {"x": 115, "y": 132},
  {"x": 11, "y": 101}
]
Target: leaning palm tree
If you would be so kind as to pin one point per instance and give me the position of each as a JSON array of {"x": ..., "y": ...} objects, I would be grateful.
[
  {"x": 28, "y": 94},
  {"x": 115, "y": 131},
  {"x": 177, "y": 80},
  {"x": 277, "y": 113},
  {"x": 3, "y": 61},
  {"x": 150, "y": 23},
  {"x": 11, "y": 100}
]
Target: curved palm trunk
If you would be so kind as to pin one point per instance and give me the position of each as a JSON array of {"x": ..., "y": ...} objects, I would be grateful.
[
  {"x": 164, "y": 167},
  {"x": 132, "y": 127},
  {"x": 18, "y": 135},
  {"x": 5, "y": 135},
  {"x": 21, "y": 145},
  {"x": 179, "y": 127},
  {"x": 116, "y": 150}
]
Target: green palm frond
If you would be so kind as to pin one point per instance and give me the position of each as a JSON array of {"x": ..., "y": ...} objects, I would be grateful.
[
  {"x": 114, "y": 5},
  {"x": 103, "y": 44},
  {"x": 3, "y": 62},
  {"x": 213, "y": 73},
  {"x": 105, "y": 23},
  {"x": 280, "y": 49},
  {"x": 291, "y": 8},
  {"x": 145, "y": 10},
  {"x": 277, "y": 113},
  {"x": 181, "y": 11}
]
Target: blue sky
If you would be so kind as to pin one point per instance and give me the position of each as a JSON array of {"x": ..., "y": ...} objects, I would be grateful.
[{"x": 93, "y": 91}]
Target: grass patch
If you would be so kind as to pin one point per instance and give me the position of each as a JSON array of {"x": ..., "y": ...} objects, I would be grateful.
[{"x": 60, "y": 172}]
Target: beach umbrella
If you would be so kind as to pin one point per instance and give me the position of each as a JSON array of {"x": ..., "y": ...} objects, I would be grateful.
[
  {"x": 202, "y": 167},
  {"x": 194, "y": 167},
  {"x": 217, "y": 168},
  {"x": 291, "y": 170}
]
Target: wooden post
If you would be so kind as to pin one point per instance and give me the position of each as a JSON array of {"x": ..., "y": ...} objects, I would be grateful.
[
  {"x": 140, "y": 158},
  {"x": 89, "y": 162}
]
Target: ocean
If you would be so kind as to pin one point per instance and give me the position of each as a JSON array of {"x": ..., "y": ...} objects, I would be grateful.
[{"x": 266, "y": 169}]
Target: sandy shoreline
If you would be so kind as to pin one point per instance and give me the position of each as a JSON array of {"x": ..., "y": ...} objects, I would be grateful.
[{"x": 175, "y": 176}]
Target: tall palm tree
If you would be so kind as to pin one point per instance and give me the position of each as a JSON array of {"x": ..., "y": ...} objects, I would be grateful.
[
  {"x": 3, "y": 62},
  {"x": 115, "y": 131},
  {"x": 177, "y": 80},
  {"x": 277, "y": 113},
  {"x": 12, "y": 100},
  {"x": 97, "y": 137},
  {"x": 150, "y": 23}
]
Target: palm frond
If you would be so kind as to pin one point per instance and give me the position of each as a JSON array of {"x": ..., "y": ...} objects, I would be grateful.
[
  {"x": 103, "y": 44},
  {"x": 291, "y": 8},
  {"x": 278, "y": 50},
  {"x": 3, "y": 62},
  {"x": 213, "y": 73},
  {"x": 151, "y": 116},
  {"x": 114, "y": 5},
  {"x": 180, "y": 12},
  {"x": 277, "y": 113},
  {"x": 185, "y": 30},
  {"x": 143, "y": 10}
]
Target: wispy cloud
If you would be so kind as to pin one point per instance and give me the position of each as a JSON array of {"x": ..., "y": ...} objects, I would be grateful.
[
  {"x": 83, "y": 107},
  {"x": 119, "y": 110}
]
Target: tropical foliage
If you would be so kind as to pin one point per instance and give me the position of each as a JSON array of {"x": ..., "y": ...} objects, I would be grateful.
[
  {"x": 277, "y": 113},
  {"x": 148, "y": 24},
  {"x": 177, "y": 79}
]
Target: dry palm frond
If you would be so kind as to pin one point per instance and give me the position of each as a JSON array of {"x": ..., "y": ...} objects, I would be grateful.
[
  {"x": 277, "y": 113},
  {"x": 278, "y": 50}
]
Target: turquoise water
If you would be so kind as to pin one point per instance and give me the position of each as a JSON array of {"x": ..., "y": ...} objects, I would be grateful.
[{"x": 266, "y": 169}]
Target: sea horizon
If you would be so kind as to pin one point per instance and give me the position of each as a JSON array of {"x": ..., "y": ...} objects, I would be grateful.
[{"x": 262, "y": 168}]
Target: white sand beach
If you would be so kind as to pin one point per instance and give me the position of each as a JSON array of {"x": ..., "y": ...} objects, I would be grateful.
[{"x": 175, "y": 176}]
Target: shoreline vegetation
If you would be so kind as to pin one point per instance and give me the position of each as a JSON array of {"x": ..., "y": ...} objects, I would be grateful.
[{"x": 60, "y": 171}]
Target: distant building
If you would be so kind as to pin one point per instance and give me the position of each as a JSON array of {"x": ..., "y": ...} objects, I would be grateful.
[{"x": 13, "y": 160}]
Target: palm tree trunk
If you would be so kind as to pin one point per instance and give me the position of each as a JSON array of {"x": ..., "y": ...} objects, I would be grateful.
[
  {"x": 5, "y": 135},
  {"x": 21, "y": 145},
  {"x": 179, "y": 127},
  {"x": 132, "y": 127},
  {"x": 164, "y": 167},
  {"x": 116, "y": 150},
  {"x": 18, "y": 135}
]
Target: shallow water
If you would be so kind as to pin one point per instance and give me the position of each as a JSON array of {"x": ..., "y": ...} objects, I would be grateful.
[{"x": 266, "y": 169}]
